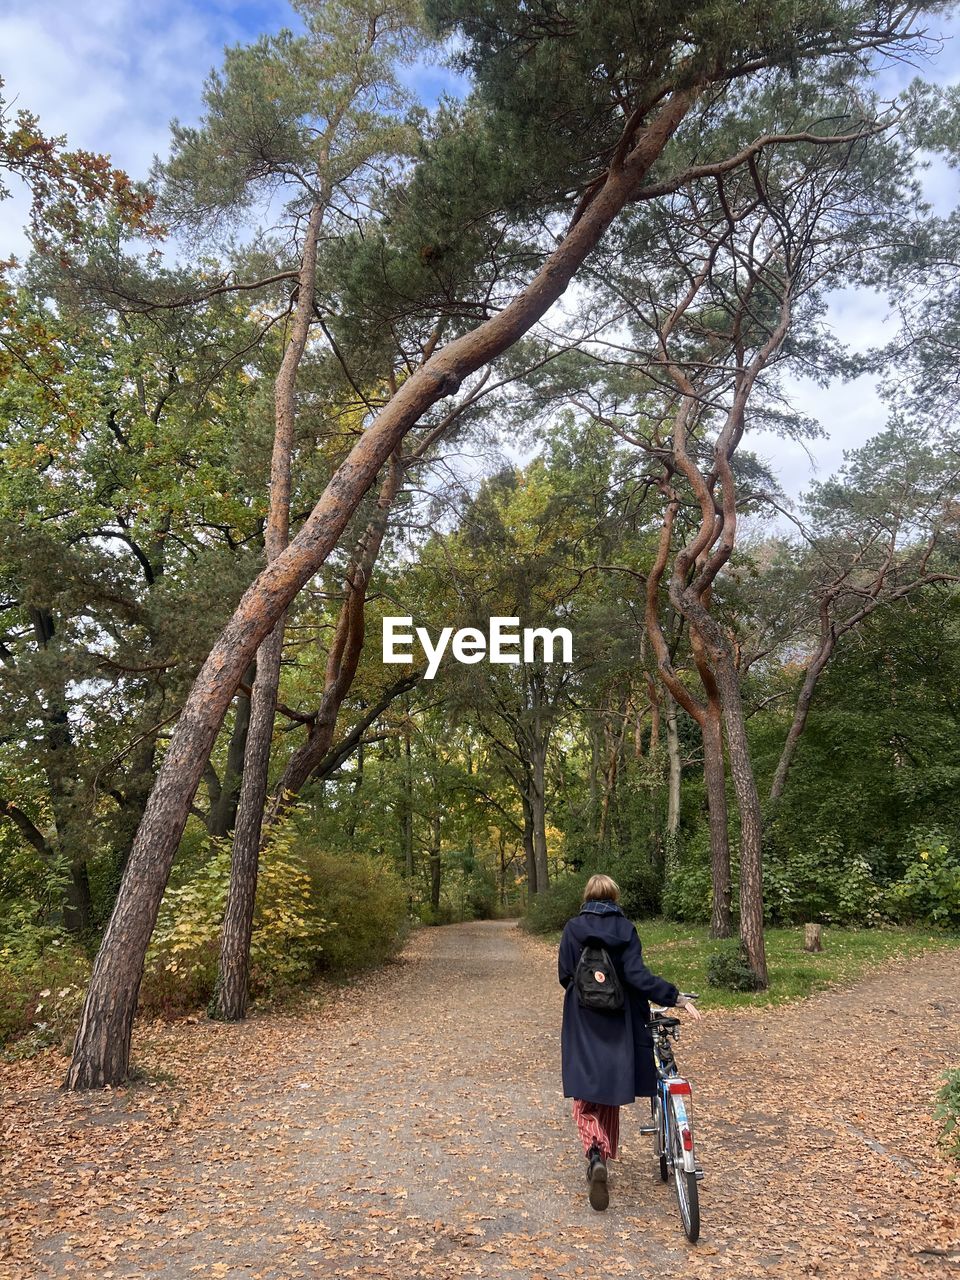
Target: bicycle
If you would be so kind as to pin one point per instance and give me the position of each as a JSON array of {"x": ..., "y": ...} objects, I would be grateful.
[{"x": 672, "y": 1126}]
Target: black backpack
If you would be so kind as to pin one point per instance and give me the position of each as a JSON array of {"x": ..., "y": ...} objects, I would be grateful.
[{"x": 597, "y": 982}]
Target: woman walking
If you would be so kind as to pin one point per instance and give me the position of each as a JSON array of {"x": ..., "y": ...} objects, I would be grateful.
[{"x": 607, "y": 1052}]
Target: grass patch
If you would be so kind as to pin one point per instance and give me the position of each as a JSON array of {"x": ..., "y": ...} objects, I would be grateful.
[{"x": 681, "y": 952}]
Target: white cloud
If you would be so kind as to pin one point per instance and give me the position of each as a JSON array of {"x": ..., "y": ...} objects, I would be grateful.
[{"x": 111, "y": 75}]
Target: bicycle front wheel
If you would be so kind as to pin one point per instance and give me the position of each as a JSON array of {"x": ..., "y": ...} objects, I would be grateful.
[{"x": 688, "y": 1190}]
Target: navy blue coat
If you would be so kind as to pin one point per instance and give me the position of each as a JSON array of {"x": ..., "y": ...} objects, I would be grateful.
[{"x": 608, "y": 1057}]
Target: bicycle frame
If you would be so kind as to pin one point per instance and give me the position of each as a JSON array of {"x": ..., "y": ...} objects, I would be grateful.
[
  {"x": 673, "y": 1125},
  {"x": 672, "y": 1086}
]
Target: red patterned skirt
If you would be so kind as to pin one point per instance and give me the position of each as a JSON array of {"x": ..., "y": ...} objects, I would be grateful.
[{"x": 598, "y": 1126}]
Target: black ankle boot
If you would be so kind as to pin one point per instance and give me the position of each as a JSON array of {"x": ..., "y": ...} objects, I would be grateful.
[{"x": 597, "y": 1177}]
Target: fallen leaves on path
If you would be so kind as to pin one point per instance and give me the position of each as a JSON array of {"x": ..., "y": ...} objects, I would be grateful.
[{"x": 413, "y": 1126}]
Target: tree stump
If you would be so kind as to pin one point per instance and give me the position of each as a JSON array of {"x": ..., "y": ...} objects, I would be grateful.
[{"x": 812, "y": 937}]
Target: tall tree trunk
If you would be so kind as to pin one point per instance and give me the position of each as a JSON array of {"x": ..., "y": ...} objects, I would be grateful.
[
  {"x": 407, "y": 796},
  {"x": 77, "y": 903},
  {"x": 751, "y": 818},
  {"x": 538, "y": 815},
  {"x": 102, "y": 1046},
  {"x": 715, "y": 782},
  {"x": 229, "y": 1002},
  {"x": 801, "y": 711},
  {"x": 78, "y": 900},
  {"x": 594, "y": 775},
  {"x": 355, "y": 799},
  {"x": 674, "y": 768},
  {"x": 225, "y": 799},
  {"x": 714, "y": 776},
  {"x": 435, "y": 863},
  {"x": 345, "y": 651},
  {"x": 614, "y": 743},
  {"x": 528, "y": 845}
]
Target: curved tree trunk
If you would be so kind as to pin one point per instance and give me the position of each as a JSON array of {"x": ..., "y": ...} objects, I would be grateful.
[
  {"x": 229, "y": 1001},
  {"x": 801, "y": 711},
  {"x": 102, "y": 1047},
  {"x": 345, "y": 651},
  {"x": 528, "y": 848}
]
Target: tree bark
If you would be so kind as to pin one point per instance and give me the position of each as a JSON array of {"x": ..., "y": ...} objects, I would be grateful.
[
  {"x": 77, "y": 902},
  {"x": 751, "y": 818},
  {"x": 674, "y": 768},
  {"x": 715, "y": 782},
  {"x": 407, "y": 800},
  {"x": 528, "y": 846},
  {"x": 435, "y": 863},
  {"x": 801, "y": 711},
  {"x": 102, "y": 1047},
  {"x": 812, "y": 937},
  {"x": 714, "y": 776},
  {"x": 222, "y": 815},
  {"x": 538, "y": 817},
  {"x": 229, "y": 1001},
  {"x": 345, "y": 651}
]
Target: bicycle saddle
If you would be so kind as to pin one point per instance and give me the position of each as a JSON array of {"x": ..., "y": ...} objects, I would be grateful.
[{"x": 661, "y": 1021}]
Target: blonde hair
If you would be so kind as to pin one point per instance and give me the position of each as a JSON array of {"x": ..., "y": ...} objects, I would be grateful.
[{"x": 601, "y": 889}]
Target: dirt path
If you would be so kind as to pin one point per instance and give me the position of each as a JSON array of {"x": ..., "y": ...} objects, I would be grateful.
[{"x": 414, "y": 1127}]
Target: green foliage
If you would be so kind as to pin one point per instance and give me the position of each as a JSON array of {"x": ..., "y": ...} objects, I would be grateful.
[
  {"x": 947, "y": 1111},
  {"x": 640, "y": 886},
  {"x": 42, "y": 976},
  {"x": 549, "y": 911},
  {"x": 929, "y": 889},
  {"x": 687, "y": 894},
  {"x": 820, "y": 881},
  {"x": 730, "y": 969},
  {"x": 433, "y": 916},
  {"x": 366, "y": 904},
  {"x": 287, "y": 931}
]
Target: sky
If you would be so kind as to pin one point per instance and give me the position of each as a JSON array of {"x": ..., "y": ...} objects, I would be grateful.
[{"x": 112, "y": 74}]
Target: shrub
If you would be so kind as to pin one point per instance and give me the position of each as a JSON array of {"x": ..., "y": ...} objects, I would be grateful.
[
  {"x": 641, "y": 887},
  {"x": 729, "y": 969},
  {"x": 43, "y": 973},
  {"x": 819, "y": 881},
  {"x": 480, "y": 902},
  {"x": 469, "y": 892},
  {"x": 435, "y": 916},
  {"x": 549, "y": 911},
  {"x": 688, "y": 891},
  {"x": 365, "y": 903},
  {"x": 947, "y": 1111},
  {"x": 930, "y": 887},
  {"x": 181, "y": 964}
]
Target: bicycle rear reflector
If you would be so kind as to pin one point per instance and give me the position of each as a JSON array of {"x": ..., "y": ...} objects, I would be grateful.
[{"x": 681, "y": 1087}]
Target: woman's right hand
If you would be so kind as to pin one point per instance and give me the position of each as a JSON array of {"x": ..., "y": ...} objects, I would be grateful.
[{"x": 685, "y": 1003}]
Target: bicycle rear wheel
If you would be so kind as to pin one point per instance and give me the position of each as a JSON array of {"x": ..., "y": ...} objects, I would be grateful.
[
  {"x": 660, "y": 1134},
  {"x": 688, "y": 1191}
]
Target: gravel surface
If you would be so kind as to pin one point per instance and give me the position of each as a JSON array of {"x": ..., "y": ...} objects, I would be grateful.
[{"x": 414, "y": 1126}]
